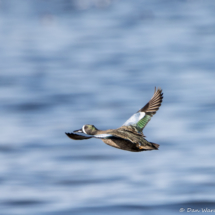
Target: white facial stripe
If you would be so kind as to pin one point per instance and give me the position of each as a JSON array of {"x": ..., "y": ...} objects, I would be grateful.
[{"x": 83, "y": 129}]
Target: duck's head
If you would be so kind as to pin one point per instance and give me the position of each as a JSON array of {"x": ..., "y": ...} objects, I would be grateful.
[{"x": 87, "y": 129}]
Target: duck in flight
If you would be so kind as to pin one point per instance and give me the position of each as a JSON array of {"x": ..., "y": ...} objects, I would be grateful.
[{"x": 129, "y": 136}]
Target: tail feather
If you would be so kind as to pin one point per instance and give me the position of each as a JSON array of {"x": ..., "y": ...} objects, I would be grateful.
[
  {"x": 149, "y": 146},
  {"x": 156, "y": 146}
]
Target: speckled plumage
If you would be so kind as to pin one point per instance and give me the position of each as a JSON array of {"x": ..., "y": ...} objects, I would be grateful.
[{"x": 129, "y": 136}]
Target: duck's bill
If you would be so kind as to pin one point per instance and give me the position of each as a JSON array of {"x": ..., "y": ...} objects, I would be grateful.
[{"x": 78, "y": 131}]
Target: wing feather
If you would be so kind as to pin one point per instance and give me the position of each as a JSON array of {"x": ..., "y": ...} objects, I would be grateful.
[
  {"x": 143, "y": 116},
  {"x": 77, "y": 136},
  {"x": 81, "y": 136}
]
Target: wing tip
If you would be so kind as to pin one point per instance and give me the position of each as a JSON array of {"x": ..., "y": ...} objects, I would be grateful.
[
  {"x": 157, "y": 99},
  {"x": 158, "y": 90},
  {"x": 68, "y": 134}
]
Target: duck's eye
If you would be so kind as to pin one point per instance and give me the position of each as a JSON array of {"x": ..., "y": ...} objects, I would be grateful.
[{"x": 85, "y": 127}]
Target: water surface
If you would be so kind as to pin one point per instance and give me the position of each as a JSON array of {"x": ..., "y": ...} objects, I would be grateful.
[{"x": 68, "y": 63}]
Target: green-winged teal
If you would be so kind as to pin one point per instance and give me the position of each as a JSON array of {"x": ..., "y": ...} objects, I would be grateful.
[{"x": 129, "y": 136}]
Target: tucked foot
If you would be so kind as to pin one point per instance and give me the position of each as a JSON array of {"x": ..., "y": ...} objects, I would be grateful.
[
  {"x": 139, "y": 146},
  {"x": 154, "y": 146}
]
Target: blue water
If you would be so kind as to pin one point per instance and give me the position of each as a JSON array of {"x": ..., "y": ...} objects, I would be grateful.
[{"x": 67, "y": 63}]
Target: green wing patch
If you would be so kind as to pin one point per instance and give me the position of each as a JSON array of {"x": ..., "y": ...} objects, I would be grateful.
[{"x": 142, "y": 123}]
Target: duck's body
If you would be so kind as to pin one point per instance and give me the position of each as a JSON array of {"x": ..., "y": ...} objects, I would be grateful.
[
  {"x": 129, "y": 136},
  {"x": 125, "y": 138}
]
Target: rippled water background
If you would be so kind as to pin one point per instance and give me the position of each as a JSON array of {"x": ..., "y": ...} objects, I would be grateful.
[{"x": 68, "y": 63}]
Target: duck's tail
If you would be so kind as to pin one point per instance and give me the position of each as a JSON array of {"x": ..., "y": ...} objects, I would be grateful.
[
  {"x": 149, "y": 146},
  {"x": 156, "y": 146}
]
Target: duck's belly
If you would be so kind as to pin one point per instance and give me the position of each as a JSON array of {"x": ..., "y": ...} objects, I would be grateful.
[{"x": 124, "y": 145}]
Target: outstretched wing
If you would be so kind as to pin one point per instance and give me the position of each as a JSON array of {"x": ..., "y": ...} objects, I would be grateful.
[
  {"x": 78, "y": 136},
  {"x": 143, "y": 116},
  {"x": 81, "y": 136}
]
